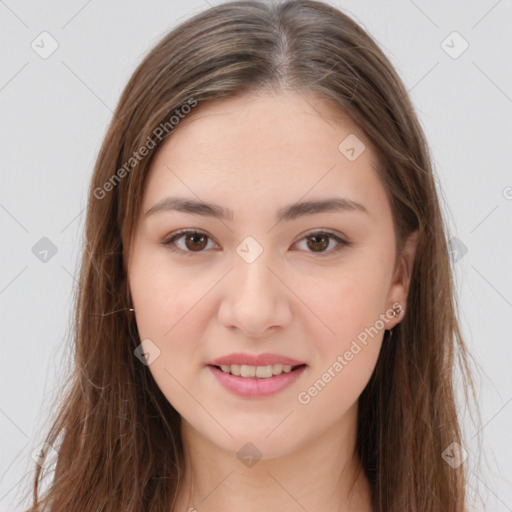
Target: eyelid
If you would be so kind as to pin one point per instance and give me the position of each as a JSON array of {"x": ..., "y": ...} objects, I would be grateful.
[
  {"x": 338, "y": 237},
  {"x": 176, "y": 235},
  {"x": 341, "y": 240},
  {"x": 325, "y": 231}
]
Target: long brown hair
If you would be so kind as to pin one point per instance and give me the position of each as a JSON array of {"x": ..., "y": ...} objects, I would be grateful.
[{"x": 113, "y": 419}]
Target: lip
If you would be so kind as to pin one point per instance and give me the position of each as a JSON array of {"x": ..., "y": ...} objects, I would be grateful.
[
  {"x": 253, "y": 387},
  {"x": 255, "y": 360}
]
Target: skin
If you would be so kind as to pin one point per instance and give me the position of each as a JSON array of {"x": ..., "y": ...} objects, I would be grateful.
[{"x": 256, "y": 154}]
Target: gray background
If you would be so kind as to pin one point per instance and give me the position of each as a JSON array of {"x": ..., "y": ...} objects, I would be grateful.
[{"x": 54, "y": 114}]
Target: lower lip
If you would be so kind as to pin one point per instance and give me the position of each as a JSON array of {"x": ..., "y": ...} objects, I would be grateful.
[{"x": 253, "y": 387}]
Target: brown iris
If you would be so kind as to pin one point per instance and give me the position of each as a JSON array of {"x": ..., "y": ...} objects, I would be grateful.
[
  {"x": 194, "y": 237},
  {"x": 196, "y": 242},
  {"x": 321, "y": 245}
]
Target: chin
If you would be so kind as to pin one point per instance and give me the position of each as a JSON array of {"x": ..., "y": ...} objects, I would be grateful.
[{"x": 257, "y": 443}]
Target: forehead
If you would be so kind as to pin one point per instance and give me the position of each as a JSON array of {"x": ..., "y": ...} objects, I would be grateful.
[{"x": 263, "y": 148}]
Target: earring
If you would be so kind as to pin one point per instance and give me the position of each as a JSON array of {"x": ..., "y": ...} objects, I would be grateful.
[{"x": 396, "y": 313}]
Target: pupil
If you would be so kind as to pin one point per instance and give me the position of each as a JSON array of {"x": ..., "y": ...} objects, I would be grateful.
[
  {"x": 323, "y": 245},
  {"x": 194, "y": 236},
  {"x": 316, "y": 245}
]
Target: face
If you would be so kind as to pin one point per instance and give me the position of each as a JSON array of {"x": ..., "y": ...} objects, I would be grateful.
[{"x": 314, "y": 285}]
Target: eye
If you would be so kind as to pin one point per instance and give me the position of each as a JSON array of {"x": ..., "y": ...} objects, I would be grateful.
[
  {"x": 318, "y": 241},
  {"x": 195, "y": 241}
]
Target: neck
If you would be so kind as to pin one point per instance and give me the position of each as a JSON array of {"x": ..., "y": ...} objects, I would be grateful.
[{"x": 324, "y": 475}]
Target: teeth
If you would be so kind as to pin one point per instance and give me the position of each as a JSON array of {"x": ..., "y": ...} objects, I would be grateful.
[{"x": 260, "y": 372}]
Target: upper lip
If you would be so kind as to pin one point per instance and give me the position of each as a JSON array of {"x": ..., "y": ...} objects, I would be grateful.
[{"x": 254, "y": 360}]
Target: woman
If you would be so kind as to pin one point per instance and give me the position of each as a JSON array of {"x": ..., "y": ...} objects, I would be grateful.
[{"x": 265, "y": 315}]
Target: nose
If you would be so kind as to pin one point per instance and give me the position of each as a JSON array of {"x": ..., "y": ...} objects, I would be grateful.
[{"x": 256, "y": 299}]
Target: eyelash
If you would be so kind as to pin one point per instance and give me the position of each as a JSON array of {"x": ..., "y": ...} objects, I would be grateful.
[{"x": 180, "y": 234}]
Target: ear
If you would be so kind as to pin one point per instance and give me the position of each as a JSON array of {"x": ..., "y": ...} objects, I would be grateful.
[{"x": 401, "y": 281}]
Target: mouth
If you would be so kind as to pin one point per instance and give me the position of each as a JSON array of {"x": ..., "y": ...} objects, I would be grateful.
[
  {"x": 256, "y": 382},
  {"x": 258, "y": 372}
]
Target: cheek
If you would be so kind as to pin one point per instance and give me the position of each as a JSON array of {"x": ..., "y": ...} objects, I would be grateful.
[
  {"x": 348, "y": 338},
  {"x": 169, "y": 312},
  {"x": 163, "y": 294},
  {"x": 337, "y": 308},
  {"x": 347, "y": 343},
  {"x": 167, "y": 303},
  {"x": 346, "y": 302}
]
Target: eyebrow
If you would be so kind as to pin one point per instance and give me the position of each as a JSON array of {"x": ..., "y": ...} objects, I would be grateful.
[{"x": 288, "y": 213}]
